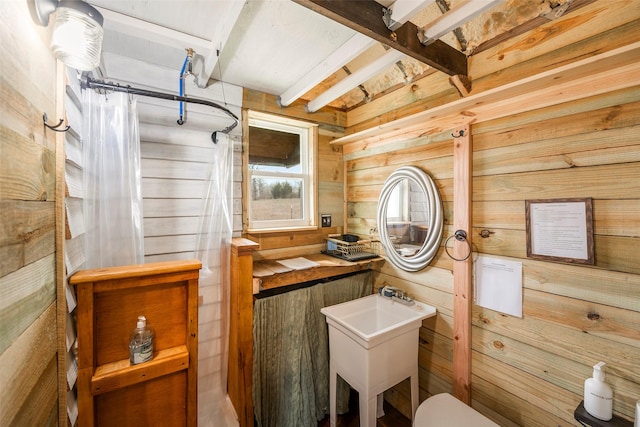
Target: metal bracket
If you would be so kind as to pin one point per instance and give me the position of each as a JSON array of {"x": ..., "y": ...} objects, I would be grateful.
[
  {"x": 423, "y": 39},
  {"x": 460, "y": 235},
  {"x": 390, "y": 23}
]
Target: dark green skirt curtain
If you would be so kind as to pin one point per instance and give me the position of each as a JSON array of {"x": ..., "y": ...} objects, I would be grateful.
[{"x": 291, "y": 353}]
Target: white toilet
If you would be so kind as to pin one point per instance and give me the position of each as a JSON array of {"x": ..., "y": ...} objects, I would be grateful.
[{"x": 444, "y": 410}]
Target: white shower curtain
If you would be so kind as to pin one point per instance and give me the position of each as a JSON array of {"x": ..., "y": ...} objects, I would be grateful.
[
  {"x": 213, "y": 248},
  {"x": 112, "y": 181},
  {"x": 114, "y": 232}
]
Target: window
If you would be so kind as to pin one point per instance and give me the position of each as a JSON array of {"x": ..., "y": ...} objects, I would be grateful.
[
  {"x": 280, "y": 184},
  {"x": 398, "y": 205}
]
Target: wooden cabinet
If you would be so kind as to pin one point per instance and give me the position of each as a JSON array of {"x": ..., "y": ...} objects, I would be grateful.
[{"x": 161, "y": 392}]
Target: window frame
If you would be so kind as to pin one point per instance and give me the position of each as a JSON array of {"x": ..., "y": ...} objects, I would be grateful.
[{"x": 308, "y": 133}]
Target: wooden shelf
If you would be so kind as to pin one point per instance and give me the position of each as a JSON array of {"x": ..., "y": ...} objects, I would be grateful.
[
  {"x": 116, "y": 375},
  {"x": 273, "y": 275},
  {"x": 585, "y": 418}
]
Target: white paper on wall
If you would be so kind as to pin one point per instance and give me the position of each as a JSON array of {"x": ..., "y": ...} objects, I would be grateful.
[{"x": 498, "y": 285}]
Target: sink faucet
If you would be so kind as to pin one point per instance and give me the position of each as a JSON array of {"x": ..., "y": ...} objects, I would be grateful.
[
  {"x": 389, "y": 291},
  {"x": 396, "y": 294}
]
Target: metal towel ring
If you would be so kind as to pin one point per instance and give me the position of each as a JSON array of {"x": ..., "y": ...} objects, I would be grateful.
[{"x": 460, "y": 236}]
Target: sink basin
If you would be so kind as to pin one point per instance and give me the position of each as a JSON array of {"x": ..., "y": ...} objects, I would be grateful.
[
  {"x": 373, "y": 345},
  {"x": 374, "y": 319}
]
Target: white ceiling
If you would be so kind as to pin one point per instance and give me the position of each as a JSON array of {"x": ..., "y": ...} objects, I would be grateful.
[
  {"x": 272, "y": 44},
  {"x": 268, "y": 45}
]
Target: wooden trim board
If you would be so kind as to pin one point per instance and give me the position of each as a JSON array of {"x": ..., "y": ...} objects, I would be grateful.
[{"x": 462, "y": 269}]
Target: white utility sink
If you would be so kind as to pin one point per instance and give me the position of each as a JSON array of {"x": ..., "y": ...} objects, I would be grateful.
[
  {"x": 374, "y": 319},
  {"x": 373, "y": 345}
]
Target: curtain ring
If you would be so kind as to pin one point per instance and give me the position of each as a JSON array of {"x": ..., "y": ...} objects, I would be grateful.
[{"x": 461, "y": 236}]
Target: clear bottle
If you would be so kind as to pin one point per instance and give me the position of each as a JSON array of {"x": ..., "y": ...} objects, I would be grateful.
[
  {"x": 141, "y": 342},
  {"x": 598, "y": 396}
]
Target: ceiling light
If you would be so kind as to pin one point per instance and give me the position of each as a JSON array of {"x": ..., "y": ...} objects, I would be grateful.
[{"x": 77, "y": 33}]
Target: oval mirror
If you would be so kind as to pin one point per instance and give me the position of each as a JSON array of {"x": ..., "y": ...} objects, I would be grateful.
[{"x": 410, "y": 218}]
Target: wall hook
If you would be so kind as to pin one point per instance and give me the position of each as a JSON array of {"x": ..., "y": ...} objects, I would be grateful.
[
  {"x": 52, "y": 127},
  {"x": 460, "y": 133},
  {"x": 486, "y": 233}
]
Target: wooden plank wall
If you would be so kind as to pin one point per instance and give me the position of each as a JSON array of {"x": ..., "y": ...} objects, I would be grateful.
[
  {"x": 28, "y": 335},
  {"x": 574, "y": 315},
  {"x": 331, "y": 180},
  {"x": 530, "y": 371}
]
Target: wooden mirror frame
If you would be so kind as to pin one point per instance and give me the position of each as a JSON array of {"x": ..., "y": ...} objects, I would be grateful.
[{"x": 436, "y": 220}]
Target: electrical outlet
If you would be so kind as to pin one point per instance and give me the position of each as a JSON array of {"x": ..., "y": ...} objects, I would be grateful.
[{"x": 326, "y": 220}]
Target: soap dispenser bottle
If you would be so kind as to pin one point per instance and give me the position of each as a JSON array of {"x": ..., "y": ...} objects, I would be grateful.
[
  {"x": 141, "y": 342},
  {"x": 598, "y": 397}
]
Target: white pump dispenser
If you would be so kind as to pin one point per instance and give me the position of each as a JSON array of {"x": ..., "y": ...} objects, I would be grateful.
[
  {"x": 141, "y": 342},
  {"x": 598, "y": 397}
]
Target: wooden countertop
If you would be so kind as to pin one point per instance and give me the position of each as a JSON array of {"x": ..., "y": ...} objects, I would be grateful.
[{"x": 269, "y": 274}]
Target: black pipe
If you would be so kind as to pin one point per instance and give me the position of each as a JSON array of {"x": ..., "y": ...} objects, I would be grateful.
[{"x": 88, "y": 82}]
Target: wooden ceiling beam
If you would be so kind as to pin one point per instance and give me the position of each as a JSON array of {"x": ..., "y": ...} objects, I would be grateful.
[{"x": 365, "y": 16}]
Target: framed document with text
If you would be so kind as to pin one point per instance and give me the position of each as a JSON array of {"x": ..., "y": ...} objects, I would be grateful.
[{"x": 560, "y": 230}]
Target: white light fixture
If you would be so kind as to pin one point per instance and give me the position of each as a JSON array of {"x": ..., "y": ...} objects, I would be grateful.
[{"x": 77, "y": 33}]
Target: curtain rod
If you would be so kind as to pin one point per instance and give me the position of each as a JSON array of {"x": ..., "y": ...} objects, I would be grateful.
[{"x": 88, "y": 82}]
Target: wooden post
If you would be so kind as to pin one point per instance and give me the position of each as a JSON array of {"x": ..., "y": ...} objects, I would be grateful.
[
  {"x": 192, "y": 345},
  {"x": 462, "y": 194},
  {"x": 61, "y": 298},
  {"x": 239, "y": 377},
  {"x": 86, "y": 356}
]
